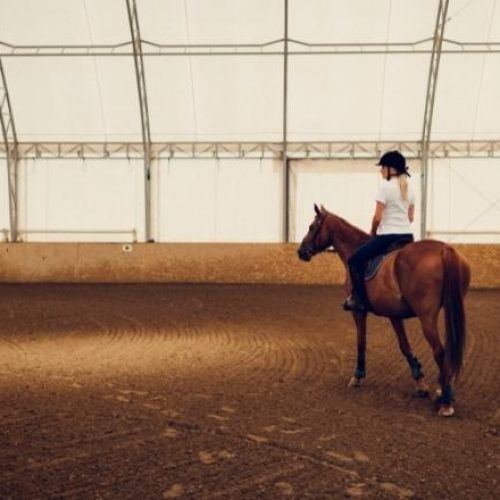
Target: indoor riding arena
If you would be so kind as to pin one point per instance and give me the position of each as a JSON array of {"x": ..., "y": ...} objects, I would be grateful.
[{"x": 163, "y": 165}]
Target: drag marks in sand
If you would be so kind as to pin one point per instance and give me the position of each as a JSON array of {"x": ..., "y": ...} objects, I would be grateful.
[
  {"x": 217, "y": 443},
  {"x": 230, "y": 392},
  {"x": 217, "y": 428}
]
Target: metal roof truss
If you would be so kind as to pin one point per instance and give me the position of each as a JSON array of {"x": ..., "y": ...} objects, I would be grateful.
[{"x": 240, "y": 150}]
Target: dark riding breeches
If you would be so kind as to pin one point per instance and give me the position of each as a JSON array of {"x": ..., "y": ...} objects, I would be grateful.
[{"x": 377, "y": 245}]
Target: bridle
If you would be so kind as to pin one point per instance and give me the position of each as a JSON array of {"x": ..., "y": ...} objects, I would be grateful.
[{"x": 312, "y": 249}]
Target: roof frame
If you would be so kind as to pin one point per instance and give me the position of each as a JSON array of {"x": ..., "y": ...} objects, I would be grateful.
[
  {"x": 296, "y": 150},
  {"x": 429, "y": 106},
  {"x": 10, "y": 150},
  {"x": 135, "y": 33},
  {"x": 268, "y": 48}
]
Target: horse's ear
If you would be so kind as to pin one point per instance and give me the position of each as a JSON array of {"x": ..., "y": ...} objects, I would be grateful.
[
  {"x": 323, "y": 209},
  {"x": 317, "y": 210}
]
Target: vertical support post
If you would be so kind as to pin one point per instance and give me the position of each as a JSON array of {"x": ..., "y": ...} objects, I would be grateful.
[
  {"x": 429, "y": 107},
  {"x": 143, "y": 104},
  {"x": 286, "y": 165},
  {"x": 10, "y": 140}
]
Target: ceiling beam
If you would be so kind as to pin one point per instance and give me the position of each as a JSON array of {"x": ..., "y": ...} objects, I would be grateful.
[
  {"x": 270, "y": 48},
  {"x": 356, "y": 150}
]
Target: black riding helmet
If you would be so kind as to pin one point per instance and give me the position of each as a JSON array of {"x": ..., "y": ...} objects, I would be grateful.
[{"x": 395, "y": 160}]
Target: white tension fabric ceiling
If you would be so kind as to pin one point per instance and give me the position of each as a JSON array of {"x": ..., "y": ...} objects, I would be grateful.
[{"x": 214, "y": 72}]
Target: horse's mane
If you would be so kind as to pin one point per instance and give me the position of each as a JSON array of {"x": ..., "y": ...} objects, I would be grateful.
[{"x": 352, "y": 231}]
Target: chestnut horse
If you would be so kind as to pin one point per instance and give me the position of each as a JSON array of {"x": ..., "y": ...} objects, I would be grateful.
[{"x": 414, "y": 281}]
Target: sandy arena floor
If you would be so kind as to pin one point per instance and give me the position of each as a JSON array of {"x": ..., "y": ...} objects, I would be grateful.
[{"x": 205, "y": 391}]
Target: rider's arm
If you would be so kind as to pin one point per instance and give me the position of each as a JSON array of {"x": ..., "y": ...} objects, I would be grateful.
[
  {"x": 377, "y": 217},
  {"x": 411, "y": 212}
]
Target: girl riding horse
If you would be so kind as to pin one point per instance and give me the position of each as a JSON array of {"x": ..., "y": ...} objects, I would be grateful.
[{"x": 414, "y": 281}]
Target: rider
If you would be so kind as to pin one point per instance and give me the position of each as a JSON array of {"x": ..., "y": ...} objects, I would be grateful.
[{"x": 391, "y": 224}]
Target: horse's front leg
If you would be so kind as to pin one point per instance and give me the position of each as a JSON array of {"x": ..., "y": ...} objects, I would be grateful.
[{"x": 360, "y": 372}]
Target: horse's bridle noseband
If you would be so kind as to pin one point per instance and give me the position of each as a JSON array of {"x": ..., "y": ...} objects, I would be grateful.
[{"x": 312, "y": 248}]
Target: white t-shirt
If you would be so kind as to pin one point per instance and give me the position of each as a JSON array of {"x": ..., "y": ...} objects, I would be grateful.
[{"x": 395, "y": 216}]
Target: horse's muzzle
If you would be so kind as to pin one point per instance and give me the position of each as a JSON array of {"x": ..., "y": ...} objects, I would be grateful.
[{"x": 305, "y": 254}]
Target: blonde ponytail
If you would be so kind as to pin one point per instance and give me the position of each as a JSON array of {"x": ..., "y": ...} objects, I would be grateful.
[{"x": 403, "y": 187}]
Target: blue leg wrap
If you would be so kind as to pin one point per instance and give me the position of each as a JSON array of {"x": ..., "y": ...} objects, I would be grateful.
[
  {"x": 447, "y": 397},
  {"x": 360, "y": 371},
  {"x": 415, "y": 367}
]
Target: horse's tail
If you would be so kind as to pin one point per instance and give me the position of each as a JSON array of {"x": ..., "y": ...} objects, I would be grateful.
[{"x": 455, "y": 282}]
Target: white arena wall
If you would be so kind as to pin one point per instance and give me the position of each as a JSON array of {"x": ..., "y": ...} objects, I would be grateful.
[{"x": 237, "y": 201}]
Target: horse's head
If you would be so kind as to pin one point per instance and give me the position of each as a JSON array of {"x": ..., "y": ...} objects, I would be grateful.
[{"x": 317, "y": 239}]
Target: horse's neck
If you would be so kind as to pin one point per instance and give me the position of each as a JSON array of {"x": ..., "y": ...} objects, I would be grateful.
[{"x": 345, "y": 237}]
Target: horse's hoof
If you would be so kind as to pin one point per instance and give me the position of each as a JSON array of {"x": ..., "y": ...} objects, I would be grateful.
[
  {"x": 355, "y": 382},
  {"x": 422, "y": 390},
  {"x": 446, "y": 411}
]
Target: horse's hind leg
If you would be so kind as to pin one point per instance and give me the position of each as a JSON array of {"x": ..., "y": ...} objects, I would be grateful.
[
  {"x": 422, "y": 389},
  {"x": 429, "y": 326}
]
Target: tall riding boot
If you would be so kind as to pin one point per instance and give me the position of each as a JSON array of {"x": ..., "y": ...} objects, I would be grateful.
[{"x": 358, "y": 300}]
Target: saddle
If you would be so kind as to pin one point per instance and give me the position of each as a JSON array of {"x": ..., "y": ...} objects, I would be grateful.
[{"x": 375, "y": 263}]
